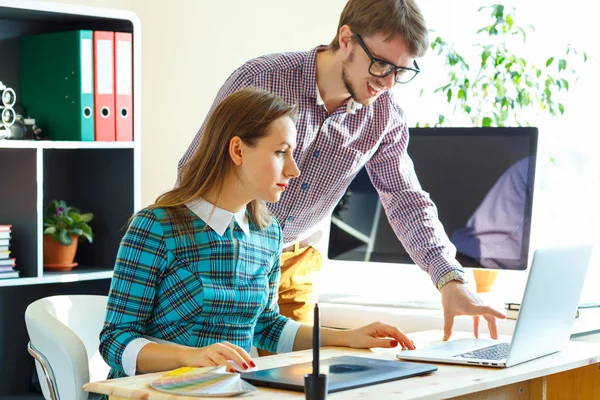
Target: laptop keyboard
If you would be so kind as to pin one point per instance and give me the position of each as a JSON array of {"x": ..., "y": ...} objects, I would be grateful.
[{"x": 495, "y": 352}]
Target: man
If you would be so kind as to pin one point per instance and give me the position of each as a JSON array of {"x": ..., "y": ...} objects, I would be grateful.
[{"x": 347, "y": 120}]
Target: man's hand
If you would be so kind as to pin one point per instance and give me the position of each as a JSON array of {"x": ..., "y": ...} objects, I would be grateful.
[{"x": 458, "y": 299}]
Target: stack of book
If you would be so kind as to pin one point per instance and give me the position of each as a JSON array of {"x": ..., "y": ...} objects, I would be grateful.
[
  {"x": 7, "y": 263},
  {"x": 512, "y": 309}
]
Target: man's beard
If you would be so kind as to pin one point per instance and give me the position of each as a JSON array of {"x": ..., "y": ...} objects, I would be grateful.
[{"x": 346, "y": 80}]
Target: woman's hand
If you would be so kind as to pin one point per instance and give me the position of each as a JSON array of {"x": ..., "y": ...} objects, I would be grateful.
[
  {"x": 217, "y": 354},
  {"x": 377, "y": 334}
]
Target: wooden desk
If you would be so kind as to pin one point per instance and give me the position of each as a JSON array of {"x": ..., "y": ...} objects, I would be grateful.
[{"x": 571, "y": 374}]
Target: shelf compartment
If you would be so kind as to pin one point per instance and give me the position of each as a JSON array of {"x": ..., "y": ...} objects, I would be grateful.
[
  {"x": 97, "y": 181},
  {"x": 18, "y": 206}
]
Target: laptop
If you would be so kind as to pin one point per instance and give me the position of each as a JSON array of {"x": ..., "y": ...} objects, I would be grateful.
[
  {"x": 343, "y": 373},
  {"x": 545, "y": 319}
]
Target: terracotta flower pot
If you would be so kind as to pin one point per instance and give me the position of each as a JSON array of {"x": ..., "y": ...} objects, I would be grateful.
[
  {"x": 485, "y": 279},
  {"x": 58, "y": 257}
]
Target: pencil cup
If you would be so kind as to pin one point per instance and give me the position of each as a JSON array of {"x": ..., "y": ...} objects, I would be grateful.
[{"x": 315, "y": 387}]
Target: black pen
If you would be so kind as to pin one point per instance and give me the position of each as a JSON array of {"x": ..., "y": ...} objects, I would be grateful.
[
  {"x": 315, "y": 384},
  {"x": 316, "y": 341}
]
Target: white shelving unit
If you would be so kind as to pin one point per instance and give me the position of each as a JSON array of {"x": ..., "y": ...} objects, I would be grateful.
[
  {"x": 77, "y": 275},
  {"x": 99, "y": 177}
]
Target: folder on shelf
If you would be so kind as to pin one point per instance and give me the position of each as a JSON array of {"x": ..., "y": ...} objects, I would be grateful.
[
  {"x": 123, "y": 87},
  {"x": 56, "y": 79},
  {"x": 104, "y": 95}
]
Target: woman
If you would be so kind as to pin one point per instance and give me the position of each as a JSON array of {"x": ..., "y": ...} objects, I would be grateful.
[{"x": 197, "y": 272}]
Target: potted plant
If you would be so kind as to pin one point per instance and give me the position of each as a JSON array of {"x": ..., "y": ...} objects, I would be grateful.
[
  {"x": 62, "y": 227},
  {"x": 501, "y": 86}
]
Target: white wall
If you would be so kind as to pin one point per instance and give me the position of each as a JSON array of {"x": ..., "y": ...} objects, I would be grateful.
[{"x": 190, "y": 48}]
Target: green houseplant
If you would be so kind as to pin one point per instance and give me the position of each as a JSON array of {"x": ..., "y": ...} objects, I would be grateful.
[
  {"x": 502, "y": 86},
  {"x": 63, "y": 225}
]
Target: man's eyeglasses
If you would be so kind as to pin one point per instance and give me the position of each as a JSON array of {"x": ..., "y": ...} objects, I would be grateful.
[{"x": 381, "y": 68}]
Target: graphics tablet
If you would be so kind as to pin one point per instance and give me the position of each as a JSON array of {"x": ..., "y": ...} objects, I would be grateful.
[{"x": 343, "y": 373}]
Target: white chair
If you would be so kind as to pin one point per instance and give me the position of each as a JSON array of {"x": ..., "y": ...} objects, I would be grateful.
[{"x": 63, "y": 333}]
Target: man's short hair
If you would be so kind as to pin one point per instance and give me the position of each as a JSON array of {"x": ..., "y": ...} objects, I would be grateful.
[{"x": 390, "y": 17}]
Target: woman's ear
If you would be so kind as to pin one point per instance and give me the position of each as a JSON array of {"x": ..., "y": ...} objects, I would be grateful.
[{"x": 236, "y": 150}]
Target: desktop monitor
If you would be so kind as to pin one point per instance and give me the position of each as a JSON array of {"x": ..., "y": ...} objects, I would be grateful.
[{"x": 481, "y": 181}]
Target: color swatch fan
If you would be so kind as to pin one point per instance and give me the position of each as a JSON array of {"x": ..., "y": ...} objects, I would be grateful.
[{"x": 207, "y": 381}]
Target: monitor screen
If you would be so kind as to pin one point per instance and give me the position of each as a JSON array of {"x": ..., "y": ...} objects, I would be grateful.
[{"x": 481, "y": 181}]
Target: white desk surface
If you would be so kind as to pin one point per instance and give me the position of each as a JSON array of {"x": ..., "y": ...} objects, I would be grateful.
[{"x": 447, "y": 381}]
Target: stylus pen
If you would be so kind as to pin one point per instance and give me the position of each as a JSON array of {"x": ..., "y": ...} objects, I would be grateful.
[{"x": 316, "y": 341}]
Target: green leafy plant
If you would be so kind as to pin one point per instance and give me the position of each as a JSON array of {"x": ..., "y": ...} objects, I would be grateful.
[
  {"x": 62, "y": 221},
  {"x": 501, "y": 84}
]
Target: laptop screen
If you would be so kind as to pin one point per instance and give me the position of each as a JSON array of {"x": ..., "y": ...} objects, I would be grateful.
[{"x": 481, "y": 180}]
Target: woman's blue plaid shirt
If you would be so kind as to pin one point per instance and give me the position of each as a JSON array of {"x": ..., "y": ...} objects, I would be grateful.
[{"x": 192, "y": 292}]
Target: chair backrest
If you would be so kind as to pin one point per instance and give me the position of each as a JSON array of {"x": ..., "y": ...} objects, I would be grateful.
[{"x": 65, "y": 331}]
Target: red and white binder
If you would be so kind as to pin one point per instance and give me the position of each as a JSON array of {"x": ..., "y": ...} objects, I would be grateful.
[
  {"x": 123, "y": 87},
  {"x": 104, "y": 95}
]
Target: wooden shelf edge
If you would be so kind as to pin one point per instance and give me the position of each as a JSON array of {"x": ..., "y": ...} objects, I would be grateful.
[
  {"x": 59, "y": 277},
  {"x": 50, "y": 144}
]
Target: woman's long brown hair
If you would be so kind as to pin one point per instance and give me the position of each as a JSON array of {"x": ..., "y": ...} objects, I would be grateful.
[{"x": 247, "y": 114}]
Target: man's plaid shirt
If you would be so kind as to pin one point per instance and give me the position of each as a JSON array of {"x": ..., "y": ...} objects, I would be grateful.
[
  {"x": 333, "y": 147},
  {"x": 191, "y": 292}
]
